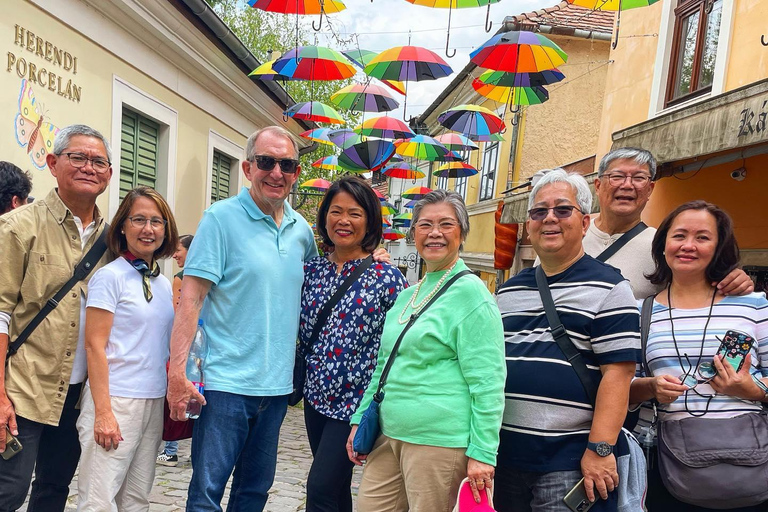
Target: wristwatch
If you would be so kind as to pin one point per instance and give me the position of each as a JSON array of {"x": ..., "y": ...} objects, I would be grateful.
[
  {"x": 602, "y": 448},
  {"x": 763, "y": 387}
]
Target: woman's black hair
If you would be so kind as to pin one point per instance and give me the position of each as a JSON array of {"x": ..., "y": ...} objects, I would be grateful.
[
  {"x": 725, "y": 259},
  {"x": 186, "y": 240},
  {"x": 363, "y": 195}
]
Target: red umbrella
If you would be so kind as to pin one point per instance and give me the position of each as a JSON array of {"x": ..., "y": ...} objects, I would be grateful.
[{"x": 385, "y": 128}]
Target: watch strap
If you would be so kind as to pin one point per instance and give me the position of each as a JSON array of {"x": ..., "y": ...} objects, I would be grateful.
[{"x": 594, "y": 447}]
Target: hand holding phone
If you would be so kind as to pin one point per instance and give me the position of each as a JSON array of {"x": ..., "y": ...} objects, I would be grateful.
[
  {"x": 12, "y": 445},
  {"x": 734, "y": 346},
  {"x": 577, "y": 500}
]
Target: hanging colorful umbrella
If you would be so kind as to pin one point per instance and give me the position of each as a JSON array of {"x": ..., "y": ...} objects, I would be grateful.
[
  {"x": 403, "y": 220},
  {"x": 369, "y": 155},
  {"x": 266, "y": 73},
  {"x": 316, "y": 184},
  {"x": 385, "y": 223},
  {"x": 361, "y": 58},
  {"x": 456, "y": 142},
  {"x": 314, "y": 111},
  {"x": 314, "y": 63},
  {"x": 613, "y": 5},
  {"x": 421, "y": 147},
  {"x": 385, "y": 128},
  {"x": 504, "y": 79},
  {"x": 393, "y": 234},
  {"x": 395, "y": 159},
  {"x": 380, "y": 196},
  {"x": 455, "y": 170},
  {"x": 511, "y": 95},
  {"x": 451, "y": 156},
  {"x": 318, "y": 135},
  {"x": 411, "y": 203},
  {"x": 344, "y": 137},
  {"x": 300, "y": 7},
  {"x": 408, "y": 63},
  {"x": 403, "y": 171},
  {"x": 364, "y": 98},
  {"x": 416, "y": 193},
  {"x": 388, "y": 209},
  {"x": 471, "y": 120},
  {"x": 490, "y": 137},
  {"x": 518, "y": 52},
  {"x": 329, "y": 163}
]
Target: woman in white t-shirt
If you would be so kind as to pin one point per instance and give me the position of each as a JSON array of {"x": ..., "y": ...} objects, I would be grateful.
[{"x": 127, "y": 333}]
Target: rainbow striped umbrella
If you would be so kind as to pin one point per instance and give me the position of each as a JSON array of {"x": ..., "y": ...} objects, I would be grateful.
[
  {"x": 266, "y": 73},
  {"x": 456, "y": 142},
  {"x": 329, "y": 163},
  {"x": 369, "y": 155},
  {"x": 380, "y": 196},
  {"x": 364, "y": 98},
  {"x": 314, "y": 111},
  {"x": 388, "y": 208},
  {"x": 416, "y": 193},
  {"x": 314, "y": 63},
  {"x": 411, "y": 203},
  {"x": 511, "y": 95},
  {"x": 344, "y": 137},
  {"x": 518, "y": 52},
  {"x": 317, "y": 184},
  {"x": 385, "y": 128},
  {"x": 451, "y": 156},
  {"x": 385, "y": 223},
  {"x": 318, "y": 135},
  {"x": 361, "y": 58},
  {"x": 403, "y": 220},
  {"x": 504, "y": 79},
  {"x": 393, "y": 234},
  {"x": 407, "y": 63},
  {"x": 403, "y": 171},
  {"x": 299, "y": 6},
  {"x": 421, "y": 147},
  {"x": 491, "y": 137},
  {"x": 455, "y": 170},
  {"x": 471, "y": 120}
]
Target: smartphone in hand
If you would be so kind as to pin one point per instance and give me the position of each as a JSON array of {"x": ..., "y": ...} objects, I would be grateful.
[
  {"x": 734, "y": 347},
  {"x": 12, "y": 445},
  {"x": 577, "y": 500}
]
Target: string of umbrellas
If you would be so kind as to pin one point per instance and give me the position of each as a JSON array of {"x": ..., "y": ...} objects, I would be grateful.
[{"x": 516, "y": 67}]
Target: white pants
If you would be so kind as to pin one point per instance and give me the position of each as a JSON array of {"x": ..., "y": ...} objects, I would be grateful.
[{"x": 121, "y": 479}]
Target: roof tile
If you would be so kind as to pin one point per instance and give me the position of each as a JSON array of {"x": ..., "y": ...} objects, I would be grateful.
[{"x": 565, "y": 17}]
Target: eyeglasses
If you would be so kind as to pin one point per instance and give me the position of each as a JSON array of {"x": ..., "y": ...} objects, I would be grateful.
[
  {"x": 78, "y": 161},
  {"x": 267, "y": 163},
  {"x": 443, "y": 227},
  {"x": 140, "y": 222},
  {"x": 561, "y": 212},
  {"x": 617, "y": 178}
]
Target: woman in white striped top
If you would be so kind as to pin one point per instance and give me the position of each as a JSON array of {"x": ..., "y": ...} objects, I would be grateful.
[{"x": 694, "y": 248}]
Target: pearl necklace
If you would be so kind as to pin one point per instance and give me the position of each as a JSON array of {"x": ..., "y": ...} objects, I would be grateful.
[{"x": 417, "y": 307}]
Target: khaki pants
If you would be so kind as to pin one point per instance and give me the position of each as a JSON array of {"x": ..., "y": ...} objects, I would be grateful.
[
  {"x": 119, "y": 479},
  {"x": 402, "y": 477}
]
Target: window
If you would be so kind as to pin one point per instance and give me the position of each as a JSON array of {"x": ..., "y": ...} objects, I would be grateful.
[
  {"x": 138, "y": 152},
  {"x": 461, "y": 183},
  {"x": 222, "y": 166},
  {"x": 442, "y": 182},
  {"x": 488, "y": 171},
  {"x": 694, "y": 50}
]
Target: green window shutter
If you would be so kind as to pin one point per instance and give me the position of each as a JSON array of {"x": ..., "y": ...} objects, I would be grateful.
[
  {"x": 220, "y": 176},
  {"x": 138, "y": 152}
]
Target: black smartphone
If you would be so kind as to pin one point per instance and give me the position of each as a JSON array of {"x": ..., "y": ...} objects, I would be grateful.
[
  {"x": 12, "y": 445},
  {"x": 734, "y": 347},
  {"x": 577, "y": 500}
]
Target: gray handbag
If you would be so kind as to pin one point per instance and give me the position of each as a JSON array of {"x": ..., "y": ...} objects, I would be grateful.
[{"x": 718, "y": 463}]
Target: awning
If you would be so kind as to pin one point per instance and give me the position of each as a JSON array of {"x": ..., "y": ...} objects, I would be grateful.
[
  {"x": 728, "y": 121},
  {"x": 516, "y": 205}
]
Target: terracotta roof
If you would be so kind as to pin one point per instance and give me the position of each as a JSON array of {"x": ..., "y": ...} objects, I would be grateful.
[{"x": 565, "y": 17}]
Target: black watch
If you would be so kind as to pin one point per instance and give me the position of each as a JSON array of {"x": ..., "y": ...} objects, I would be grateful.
[{"x": 602, "y": 448}]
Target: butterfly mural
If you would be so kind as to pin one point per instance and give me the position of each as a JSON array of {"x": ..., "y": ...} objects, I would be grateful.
[{"x": 32, "y": 130}]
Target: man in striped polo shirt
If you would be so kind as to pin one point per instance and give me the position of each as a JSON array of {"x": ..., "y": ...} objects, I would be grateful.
[{"x": 552, "y": 435}]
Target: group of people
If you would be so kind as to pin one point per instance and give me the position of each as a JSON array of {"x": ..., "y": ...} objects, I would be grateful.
[{"x": 466, "y": 385}]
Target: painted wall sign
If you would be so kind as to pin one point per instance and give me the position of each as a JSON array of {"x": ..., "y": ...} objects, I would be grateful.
[
  {"x": 32, "y": 130},
  {"x": 753, "y": 122},
  {"x": 37, "y": 72}
]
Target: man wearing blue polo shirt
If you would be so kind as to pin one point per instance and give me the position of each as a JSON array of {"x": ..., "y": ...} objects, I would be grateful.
[{"x": 243, "y": 277}]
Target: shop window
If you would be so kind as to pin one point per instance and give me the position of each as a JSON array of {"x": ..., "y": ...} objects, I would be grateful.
[
  {"x": 220, "y": 177},
  {"x": 694, "y": 49},
  {"x": 488, "y": 171},
  {"x": 138, "y": 152}
]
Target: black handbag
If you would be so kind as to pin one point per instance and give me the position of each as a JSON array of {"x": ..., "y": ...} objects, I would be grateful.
[
  {"x": 299, "y": 363},
  {"x": 369, "y": 428}
]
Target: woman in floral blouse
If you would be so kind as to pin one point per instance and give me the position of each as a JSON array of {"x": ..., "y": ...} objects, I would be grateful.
[{"x": 340, "y": 362}]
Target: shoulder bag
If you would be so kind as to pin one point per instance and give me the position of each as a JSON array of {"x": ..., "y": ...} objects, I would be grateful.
[
  {"x": 299, "y": 364},
  {"x": 621, "y": 242},
  {"x": 369, "y": 428}
]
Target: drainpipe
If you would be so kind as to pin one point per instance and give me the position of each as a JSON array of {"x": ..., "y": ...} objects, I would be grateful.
[{"x": 513, "y": 149}]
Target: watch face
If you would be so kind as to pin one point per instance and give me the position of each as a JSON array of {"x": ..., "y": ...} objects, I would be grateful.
[{"x": 603, "y": 449}]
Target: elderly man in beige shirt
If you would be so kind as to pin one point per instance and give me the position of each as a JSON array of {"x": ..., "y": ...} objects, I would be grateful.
[{"x": 40, "y": 384}]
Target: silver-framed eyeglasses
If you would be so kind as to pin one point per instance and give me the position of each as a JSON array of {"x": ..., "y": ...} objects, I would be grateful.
[
  {"x": 618, "y": 178},
  {"x": 444, "y": 226},
  {"x": 138, "y": 221},
  {"x": 78, "y": 161}
]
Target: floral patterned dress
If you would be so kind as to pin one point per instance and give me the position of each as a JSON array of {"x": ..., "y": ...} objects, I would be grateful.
[{"x": 341, "y": 360}]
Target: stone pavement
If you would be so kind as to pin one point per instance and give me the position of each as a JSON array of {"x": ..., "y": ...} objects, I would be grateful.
[{"x": 288, "y": 493}]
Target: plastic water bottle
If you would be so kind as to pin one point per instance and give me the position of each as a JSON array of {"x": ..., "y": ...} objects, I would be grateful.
[{"x": 197, "y": 354}]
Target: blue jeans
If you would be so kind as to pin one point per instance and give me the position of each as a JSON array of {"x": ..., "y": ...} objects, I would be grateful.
[
  {"x": 235, "y": 432},
  {"x": 171, "y": 447},
  {"x": 527, "y": 491}
]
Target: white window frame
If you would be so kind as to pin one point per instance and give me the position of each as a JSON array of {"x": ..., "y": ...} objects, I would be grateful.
[
  {"x": 217, "y": 142},
  {"x": 489, "y": 147}
]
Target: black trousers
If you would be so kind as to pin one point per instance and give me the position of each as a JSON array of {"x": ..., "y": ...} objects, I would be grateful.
[
  {"x": 52, "y": 452},
  {"x": 330, "y": 477}
]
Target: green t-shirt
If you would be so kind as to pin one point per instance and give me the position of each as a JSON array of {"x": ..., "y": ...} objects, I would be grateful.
[{"x": 446, "y": 385}]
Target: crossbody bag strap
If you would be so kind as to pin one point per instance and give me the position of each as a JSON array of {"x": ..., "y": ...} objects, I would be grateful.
[
  {"x": 621, "y": 242},
  {"x": 572, "y": 354},
  {"x": 82, "y": 270},
  {"x": 645, "y": 326},
  {"x": 379, "y": 396}
]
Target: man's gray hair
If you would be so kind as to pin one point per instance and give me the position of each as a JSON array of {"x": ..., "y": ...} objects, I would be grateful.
[
  {"x": 639, "y": 156},
  {"x": 61, "y": 142},
  {"x": 444, "y": 196},
  {"x": 576, "y": 181},
  {"x": 250, "y": 146}
]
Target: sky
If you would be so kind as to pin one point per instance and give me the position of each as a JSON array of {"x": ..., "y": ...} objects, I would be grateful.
[{"x": 382, "y": 24}]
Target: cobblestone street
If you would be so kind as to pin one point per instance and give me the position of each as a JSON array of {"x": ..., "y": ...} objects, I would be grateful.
[{"x": 287, "y": 494}]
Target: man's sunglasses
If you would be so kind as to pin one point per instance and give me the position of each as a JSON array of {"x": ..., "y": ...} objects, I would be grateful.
[
  {"x": 561, "y": 212},
  {"x": 267, "y": 163}
]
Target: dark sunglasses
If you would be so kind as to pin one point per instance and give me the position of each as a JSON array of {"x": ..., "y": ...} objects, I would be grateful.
[
  {"x": 267, "y": 163},
  {"x": 561, "y": 212}
]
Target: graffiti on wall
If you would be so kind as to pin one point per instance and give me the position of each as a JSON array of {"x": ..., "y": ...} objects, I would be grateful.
[{"x": 33, "y": 129}]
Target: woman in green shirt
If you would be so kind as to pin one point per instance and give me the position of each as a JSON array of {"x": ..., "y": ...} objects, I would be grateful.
[{"x": 444, "y": 396}]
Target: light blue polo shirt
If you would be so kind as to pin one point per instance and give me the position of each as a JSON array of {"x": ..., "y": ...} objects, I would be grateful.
[{"x": 251, "y": 313}]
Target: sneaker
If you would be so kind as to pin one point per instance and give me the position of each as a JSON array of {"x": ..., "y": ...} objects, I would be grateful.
[{"x": 167, "y": 460}]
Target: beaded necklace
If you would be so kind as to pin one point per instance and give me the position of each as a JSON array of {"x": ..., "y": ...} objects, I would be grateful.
[{"x": 417, "y": 307}]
